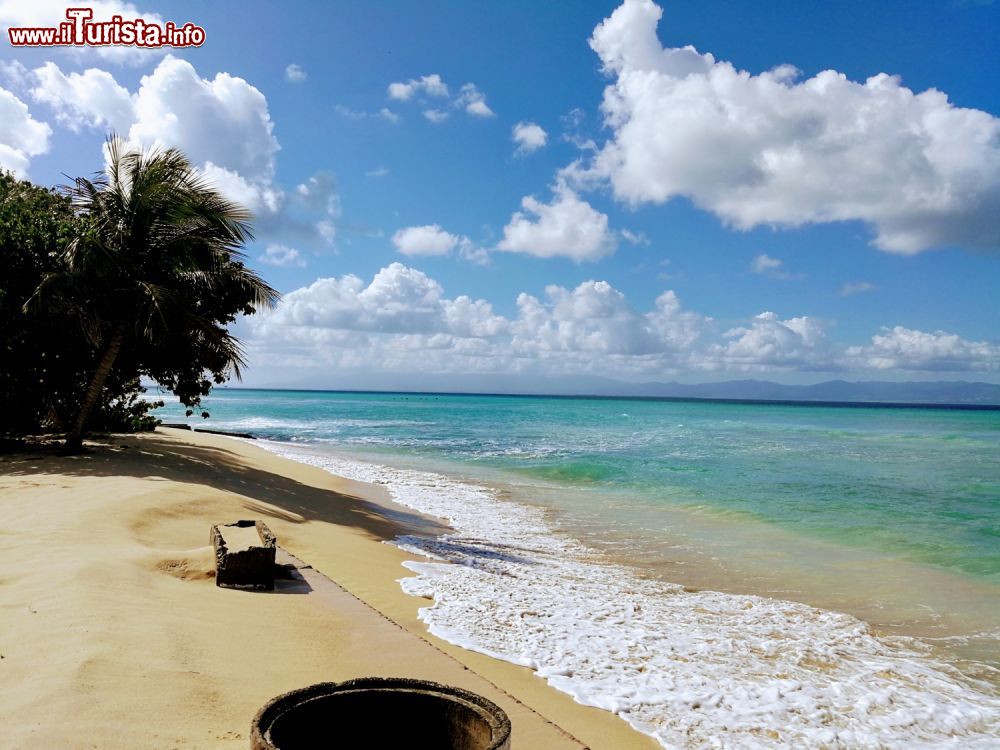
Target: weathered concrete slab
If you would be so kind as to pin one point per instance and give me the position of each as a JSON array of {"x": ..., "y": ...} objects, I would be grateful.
[{"x": 244, "y": 555}]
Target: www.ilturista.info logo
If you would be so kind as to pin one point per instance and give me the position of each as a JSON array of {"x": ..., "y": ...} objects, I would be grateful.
[{"x": 81, "y": 31}]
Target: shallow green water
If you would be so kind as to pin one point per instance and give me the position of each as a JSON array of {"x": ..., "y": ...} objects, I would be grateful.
[{"x": 920, "y": 485}]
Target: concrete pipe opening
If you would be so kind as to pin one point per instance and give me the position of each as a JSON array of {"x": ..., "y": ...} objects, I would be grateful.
[{"x": 384, "y": 713}]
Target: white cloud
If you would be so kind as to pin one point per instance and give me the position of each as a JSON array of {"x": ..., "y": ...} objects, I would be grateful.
[
  {"x": 769, "y": 149},
  {"x": 259, "y": 197},
  {"x": 224, "y": 120},
  {"x": 474, "y": 101},
  {"x": 16, "y": 74},
  {"x": 399, "y": 300},
  {"x": 856, "y": 287},
  {"x": 528, "y": 136},
  {"x": 471, "y": 252},
  {"x": 402, "y": 322},
  {"x": 596, "y": 318},
  {"x": 900, "y": 348},
  {"x": 377, "y": 172},
  {"x": 770, "y": 342},
  {"x": 763, "y": 263},
  {"x": 281, "y": 255},
  {"x": 223, "y": 125},
  {"x": 469, "y": 98},
  {"x": 431, "y": 240},
  {"x": 432, "y": 85},
  {"x": 21, "y": 135},
  {"x": 90, "y": 99},
  {"x": 387, "y": 114},
  {"x": 773, "y": 267},
  {"x": 424, "y": 240},
  {"x": 634, "y": 238},
  {"x": 435, "y": 115},
  {"x": 295, "y": 74},
  {"x": 567, "y": 227}
]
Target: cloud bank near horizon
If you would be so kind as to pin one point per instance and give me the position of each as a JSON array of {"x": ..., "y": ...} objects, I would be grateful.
[{"x": 401, "y": 321}]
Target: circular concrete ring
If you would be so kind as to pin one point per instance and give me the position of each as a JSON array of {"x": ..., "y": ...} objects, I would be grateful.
[{"x": 387, "y": 713}]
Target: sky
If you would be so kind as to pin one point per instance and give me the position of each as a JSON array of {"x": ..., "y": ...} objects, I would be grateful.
[{"x": 538, "y": 191}]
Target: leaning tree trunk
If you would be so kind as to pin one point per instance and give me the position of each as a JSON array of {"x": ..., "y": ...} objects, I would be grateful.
[{"x": 74, "y": 440}]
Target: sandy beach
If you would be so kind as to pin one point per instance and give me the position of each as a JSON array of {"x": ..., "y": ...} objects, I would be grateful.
[{"x": 115, "y": 636}]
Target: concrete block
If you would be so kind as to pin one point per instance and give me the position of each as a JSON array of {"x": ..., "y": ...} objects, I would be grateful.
[{"x": 244, "y": 555}]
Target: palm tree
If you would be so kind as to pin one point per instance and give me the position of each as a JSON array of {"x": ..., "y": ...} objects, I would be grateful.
[{"x": 160, "y": 247}]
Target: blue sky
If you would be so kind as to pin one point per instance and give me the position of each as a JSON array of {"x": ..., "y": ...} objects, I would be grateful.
[{"x": 725, "y": 211}]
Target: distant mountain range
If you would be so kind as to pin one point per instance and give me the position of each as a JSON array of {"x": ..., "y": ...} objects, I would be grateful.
[
  {"x": 923, "y": 392},
  {"x": 874, "y": 391}
]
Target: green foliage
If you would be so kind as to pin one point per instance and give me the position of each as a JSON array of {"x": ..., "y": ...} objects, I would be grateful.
[
  {"x": 135, "y": 274},
  {"x": 42, "y": 361}
]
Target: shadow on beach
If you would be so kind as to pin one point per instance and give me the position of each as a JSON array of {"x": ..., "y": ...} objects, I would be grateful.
[{"x": 266, "y": 494}]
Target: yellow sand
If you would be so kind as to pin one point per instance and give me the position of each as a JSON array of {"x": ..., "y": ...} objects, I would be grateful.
[{"x": 113, "y": 634}]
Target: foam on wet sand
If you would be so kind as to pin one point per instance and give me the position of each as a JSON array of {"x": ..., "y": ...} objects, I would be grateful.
[{"x": 692, "y": 669}]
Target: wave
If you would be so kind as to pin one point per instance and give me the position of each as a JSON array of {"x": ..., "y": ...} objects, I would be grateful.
[{"x": 692, "y": 669}]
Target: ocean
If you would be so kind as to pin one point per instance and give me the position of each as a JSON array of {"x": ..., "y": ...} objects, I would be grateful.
[{"x": 769, "y": 574}]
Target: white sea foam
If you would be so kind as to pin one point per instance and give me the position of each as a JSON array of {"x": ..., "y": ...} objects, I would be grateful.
[{"x": 692, "y": 669}]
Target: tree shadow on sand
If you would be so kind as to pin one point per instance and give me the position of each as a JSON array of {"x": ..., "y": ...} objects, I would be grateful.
[{"x": 264, "y": 493}]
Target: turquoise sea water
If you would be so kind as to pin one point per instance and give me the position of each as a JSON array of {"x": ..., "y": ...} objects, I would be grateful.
[
  {"x": 920, "y": 484},
  {"x": 760, "y": 575}
]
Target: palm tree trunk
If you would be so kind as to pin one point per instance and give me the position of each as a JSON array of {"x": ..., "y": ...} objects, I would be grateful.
[{"x": 74, "y": 440}]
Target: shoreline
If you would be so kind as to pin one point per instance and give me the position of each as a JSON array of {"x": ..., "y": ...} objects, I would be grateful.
[
  {"x": 716, "y": 553},
  {"x": 115, "y": 623},
  {"x": 819, "y": 651}
]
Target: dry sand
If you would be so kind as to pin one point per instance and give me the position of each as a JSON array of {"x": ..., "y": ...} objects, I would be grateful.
[{"x": 113, "y": 634}]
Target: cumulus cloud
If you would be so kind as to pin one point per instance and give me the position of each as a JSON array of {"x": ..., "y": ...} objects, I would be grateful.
[
  {"x": 769, "y": 342},
  {"x": 259, "y": 197},
  {"x": 398, "y": 300},
  {"x": 402, "y": 320},
  {"x": 568, "y": 227},
  {"x": 431, "y": 240},
  {"x": 223, "y": 125},
  {"x": 596, "y": 318},
  {"x": 21, "y": 135},
  {"x": 295, "y": 74},
  {"x": 775, "y": 150},
  {"x": 91, "y": 99},
  {"x": 224, "y": 120},
  {"x": 425, "y": 240},
  {"x": 281, "y": 255},
  {"x": 474, "y": 101},
  {"x": 900, "y": 348},
  {"x": 469, "y": 98},
  {"x": 528, "y": 136},
  {"x": 431, "y": 85}
]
